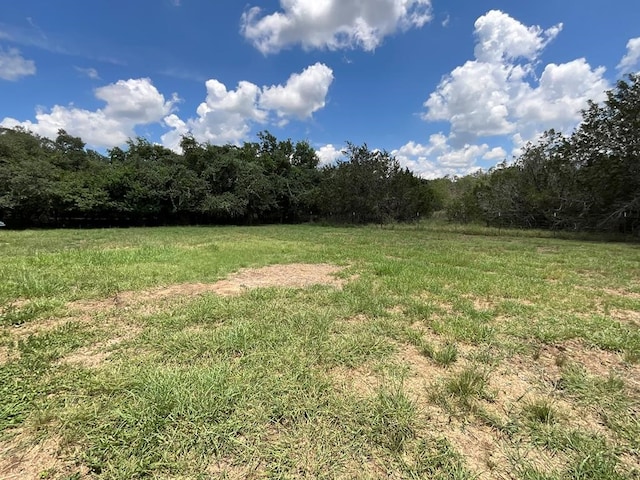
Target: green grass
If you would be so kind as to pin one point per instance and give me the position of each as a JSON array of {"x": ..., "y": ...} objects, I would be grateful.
[
  {"x": 416, "y": 368},
  {"x": 541, "y": 411}
]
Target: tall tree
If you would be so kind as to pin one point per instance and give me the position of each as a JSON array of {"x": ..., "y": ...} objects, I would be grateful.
[{"x": 607, "y": 154}]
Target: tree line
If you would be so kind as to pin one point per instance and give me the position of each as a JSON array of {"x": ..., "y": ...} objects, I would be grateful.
[
  {"x": 60, "y": 183},
  {"x": 586, "y": 181}
]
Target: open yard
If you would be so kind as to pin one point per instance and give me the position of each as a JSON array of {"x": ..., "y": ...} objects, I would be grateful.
[{"x": 424, "y": 351}]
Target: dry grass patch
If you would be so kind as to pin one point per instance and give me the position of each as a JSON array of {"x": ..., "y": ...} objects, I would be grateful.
[
  {"x": 45, "y": 325},
  {"x": 25, "y": 458},
  {"x": 395, "y": 310},
  {"x": 422, "y": 376},
  {"x": 482, "y": 447},
  {"x": 95, "y": 355},
  {"x": 482, "y": 304},
  {"x": 230, "y": 470},
  {"x": 149, "y": 302},
  {"x": 510, "y": 387},
  {"x": 618, "y": 292},
  {"x": 631, "y": 317},
  {"x": 436, "y": 302},
  {"x": 360, "y": 381},
  {"x": 295, "y": 275},
  {"x": 6, "y": 355},
  {"x": 602, "y": 363},
  {"x": 15, "y": 304},
  {"x": 357, "y": 319},
  {"x": 520, "y": 384}
]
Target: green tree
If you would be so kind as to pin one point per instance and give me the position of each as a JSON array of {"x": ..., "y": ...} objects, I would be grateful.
[
  {"x": 606, "y": 151},
  {"x": 371, "y": 187}
]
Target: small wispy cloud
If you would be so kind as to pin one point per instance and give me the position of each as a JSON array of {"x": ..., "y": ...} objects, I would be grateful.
[
  {"x": 183, "y": 74},
  {"x": 446, "y": 21},
  {"x": 37, "y": 28},
  {"x": 92, "y": 73},
  {"x": 33, "y": 36}
]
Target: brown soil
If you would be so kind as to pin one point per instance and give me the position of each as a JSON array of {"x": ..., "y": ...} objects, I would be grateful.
[
  {"x": 95, "y": 355},
  {"x": 45, "y": 325},
  {"x": 5, "y": 355},
  {"x": 480, "y": 445},
  {"x": 357, "y": 320},
  {"x": 148, "y": 302},
  {"x": 436, "y": 302},
  {"x": 360, "y": 381},
  {"x": 621, "y": 293},
  {"x": 602, "y": 363},
  {"x": 16, "y": 304},
  {"x": 515, "y": 383},
  {"x": 224, "y": 468},
  {"x": 631, "y": 317},
  {"x": 22, "y": 458},
  {"x": 482, "y": 304},
  {"x": 295, "y": 275}
]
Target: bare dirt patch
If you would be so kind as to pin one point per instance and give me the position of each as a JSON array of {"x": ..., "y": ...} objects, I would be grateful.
[
  {"x": 395, "y": 310},
  {"x": 147, "y": 302},
  {"x": 518, "y": 384},
  {"x": 5, "y": 355},
  {"x": 95, "y": 355},
  {"x": 481, "y": 304},
  {"x": 16, "y": 304},
  {"x": 226, "y": 468},
  {"x": 626, "y": 316},
  {"x": 423, "y": 373},
  {"x": 292, "y": 275},
  {"x": 481, "y": 447},
  {"x": 487, "y": 452},
  {"x": 21, "y": 457},
  {"x": 616, "y": 292},
  {"x": 360, "y": 381},
  {"x": 437, "y": 302},
  {"x": 358, "y": 319},
  {"x": 44, "y": 325},
  {"x": 603, "y": 363},
  {"x": 295, "y": 275},
  {"x": 511, "y": 387}
]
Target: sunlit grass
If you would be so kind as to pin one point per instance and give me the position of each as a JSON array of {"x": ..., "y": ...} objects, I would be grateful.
[{"x": 382, "y": 378}]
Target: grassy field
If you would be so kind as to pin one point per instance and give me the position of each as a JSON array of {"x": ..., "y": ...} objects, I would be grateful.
[{"x": 405, "y": 352}]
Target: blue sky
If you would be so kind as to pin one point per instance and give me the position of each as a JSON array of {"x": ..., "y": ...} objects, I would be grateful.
[{"x": 447, "y": 87}]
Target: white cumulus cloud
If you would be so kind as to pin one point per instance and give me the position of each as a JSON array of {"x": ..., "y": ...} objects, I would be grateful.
[
  {"x": 329, "y": 154},
  {"x": 631, "y": 60},
  {"x": 129, "y": 103},
  {"x": 498, "y": 93},
  {"x": 500, "y": 38},
  {"x": 559, "y": 97},
  {"x": 303, "y": 94},
  {"x": 14, "y": 66},
  {"x": 226, "y": 116},
  {"x": 497, "y": 153},
  {"x": 333, "y": 24},
  {"x": 437, "y": 158}
]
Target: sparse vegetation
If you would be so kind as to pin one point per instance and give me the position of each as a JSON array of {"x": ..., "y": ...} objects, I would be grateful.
[{"x": 422, "y": 351}]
